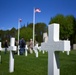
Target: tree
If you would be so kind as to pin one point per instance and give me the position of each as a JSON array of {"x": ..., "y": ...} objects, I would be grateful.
[
  {"x": 30, "y": 25},
  {"x": 1, "y": 35},
  {"x": 72, "y": 21},
  {"x": 13, "y": 32},
  {"x": 74, "y": 28},
  {"x": 40, "y": 28},
  {"x": 26, "y": 33},
  {"x": 66, "y": 25}
]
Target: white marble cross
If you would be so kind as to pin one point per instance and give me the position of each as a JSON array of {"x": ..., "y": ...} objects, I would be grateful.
[
  {"x": 53, "y": 46},
  {"x": 26, "y": 48},
  {"x": 45, "y": 37},
  {"x": 0, "y": 51},
  {"x": 12, "y": 48}
]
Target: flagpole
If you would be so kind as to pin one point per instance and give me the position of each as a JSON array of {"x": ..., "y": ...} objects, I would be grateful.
[
  {"x": 35, "y": 10},
  {"x": 33, "y": 26},
  {"x": 18, "y": 30},
  {"x": 18, "y": 34}
]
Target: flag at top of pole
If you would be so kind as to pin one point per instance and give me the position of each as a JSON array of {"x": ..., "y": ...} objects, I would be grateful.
[
  {"x": 20, "y": 20},
  {"x": 37, "y": 10}
]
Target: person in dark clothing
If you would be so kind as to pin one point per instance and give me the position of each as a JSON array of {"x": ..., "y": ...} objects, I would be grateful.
[
  {"x": 6, "y": 46},
  {"x": 22, "y": 46}
]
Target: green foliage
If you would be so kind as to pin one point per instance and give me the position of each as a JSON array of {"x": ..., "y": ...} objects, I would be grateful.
[
  {"x": 70, "y": 24},
  {"x": 6, "y": 34},
  {"x": 13, "y": 32},
  {"x": 66, "y": 25},
  {"x": 1, "y": 35},
  {"x": 30, "y": 25},
  {"x": 40, "y": 28},
  {"x": 73, "y": 36},
  {"x": 26, "y": 33}
]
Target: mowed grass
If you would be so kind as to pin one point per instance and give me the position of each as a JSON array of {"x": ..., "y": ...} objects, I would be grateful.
[{"x": 31, "y": 65}]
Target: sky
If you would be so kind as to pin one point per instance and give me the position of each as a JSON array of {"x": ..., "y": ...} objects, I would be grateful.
[{"x": 13, "y": 10}]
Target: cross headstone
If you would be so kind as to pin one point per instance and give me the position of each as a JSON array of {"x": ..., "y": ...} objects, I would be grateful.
[
  {"x": 74, "y": 46},
  {"x": 0, "y": 46},
  {"x": 39, "y": 48},
  {"x": 0, "y": 52},
  {"x": 53, "y": 46},
  {"x": 26, "y": 48},
  {"x": 36, "y": 50},
  {"x": 45, "y": 37},
  {"x": 12, "y": 48}
]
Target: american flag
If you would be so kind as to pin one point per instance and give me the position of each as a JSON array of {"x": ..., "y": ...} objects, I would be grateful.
[
  {"x": 20, "y": 20},
  {"x": 37, "y": 10}
]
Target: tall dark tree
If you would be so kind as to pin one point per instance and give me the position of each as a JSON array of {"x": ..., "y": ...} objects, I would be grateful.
[
  {"x": 13, "y": 32},
  {"x": 30, "y": 25},
  {"x": 40, "y": 28},
  {"x": 1, "y": 35},
  {"x": 73, "y": 23}
]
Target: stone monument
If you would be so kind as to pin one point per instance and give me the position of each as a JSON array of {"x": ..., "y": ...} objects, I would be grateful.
[
  {"x": 12, "y": 48},
  {"x": 45, "y": 37},
  {"x": 53, "y": 46}
]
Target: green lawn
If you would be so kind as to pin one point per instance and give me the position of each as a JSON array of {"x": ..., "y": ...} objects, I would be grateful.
[{"x": 31, "y": 65}]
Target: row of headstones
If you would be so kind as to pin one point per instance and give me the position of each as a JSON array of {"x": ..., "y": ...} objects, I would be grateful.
[
  {"x": 36, "y": 49},
  {"x": 13, "y": 48},
  {"x": 53, "y": 45}
]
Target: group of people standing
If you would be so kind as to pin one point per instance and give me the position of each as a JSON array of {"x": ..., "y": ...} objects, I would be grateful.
[{"x": 22, "y": 45}]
